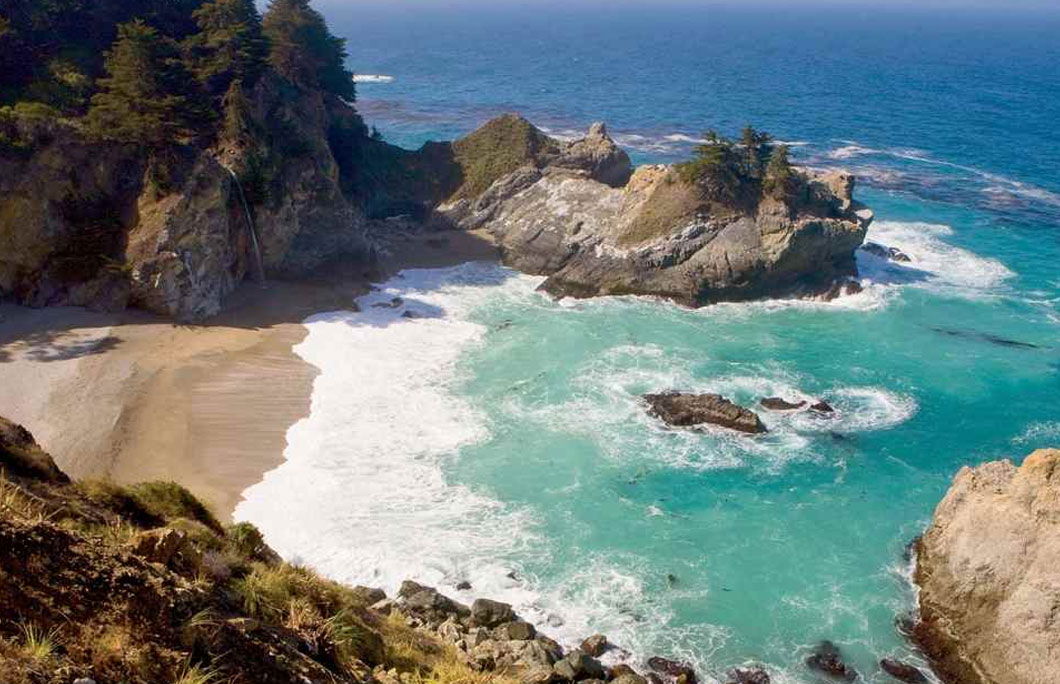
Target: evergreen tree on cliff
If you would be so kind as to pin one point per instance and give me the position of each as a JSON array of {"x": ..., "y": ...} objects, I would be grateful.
[
  {"x": 229, "y": 45},
  {"x": 303, "y": 51},
  {"x": 779, "y": 180},
  {"x": 143, "y": 98}
]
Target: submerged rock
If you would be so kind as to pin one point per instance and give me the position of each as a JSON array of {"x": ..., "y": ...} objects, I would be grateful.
[
  {"x": 890, "y": 253},
  {"x": 681, "y": 672},
  {"x": 595, "y": 645},
  {"x": 988, "y": 569},
  {"x": 778, "y": 404},
  {"x": 903, "y": 672},
  {"x": 685, "y": 410},
  {"x": 749, "y": 675},
  {"x": 827, "y": 659},
  {"x": 822, "y": 406}
]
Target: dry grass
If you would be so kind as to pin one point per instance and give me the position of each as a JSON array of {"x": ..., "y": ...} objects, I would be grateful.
[
  {"x": 194, "y": 674},
  {"x": 37, "y": 644}
]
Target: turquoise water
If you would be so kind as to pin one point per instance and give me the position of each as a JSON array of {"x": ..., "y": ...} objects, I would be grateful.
[{"x": 501, "y": 432}]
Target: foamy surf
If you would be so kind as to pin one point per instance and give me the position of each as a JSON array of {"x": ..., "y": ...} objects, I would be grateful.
[
  {"x": 935, "y": 263},
  {"x": 362, "y": 496}
]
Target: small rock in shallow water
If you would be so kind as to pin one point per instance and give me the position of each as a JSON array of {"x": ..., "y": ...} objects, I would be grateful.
[
  {"x": 903, "y": 672},
  {"x": 595, "y": 645},
  {"x": 749, "y": 675},
  {"x": 392, "y": 304},
  {"x": 555, "y": 620},
  {"x": 822, "y": 406},
  {"x": 778, "y": 404},
  {"x": 687, "y": 410},
  {"x": 681, "y": 672},
  {"x": 463, "y": 586},
  {"x": 827, "y": 659}
]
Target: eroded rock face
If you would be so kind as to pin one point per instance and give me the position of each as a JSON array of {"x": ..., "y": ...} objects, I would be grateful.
[
  {"x": 105, "y": 225},
  {"x": 656, "y": 235},
  {"x": 686, "y": 410},
  {"x": 989, "y": 575}
]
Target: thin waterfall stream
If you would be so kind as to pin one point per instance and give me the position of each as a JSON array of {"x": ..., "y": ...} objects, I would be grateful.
[{"x": 259, "y": 261}]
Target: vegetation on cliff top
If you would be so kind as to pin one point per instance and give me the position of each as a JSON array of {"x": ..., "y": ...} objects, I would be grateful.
[
  {"x": 143, "y": 585},
  {"x": 736, "y": 171},
  {"x": 152, "y": 72}
]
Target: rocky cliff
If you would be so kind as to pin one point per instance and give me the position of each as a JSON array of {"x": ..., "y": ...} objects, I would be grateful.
[
  {"x": 108, "y": 225},
  {"x": 988, "y": 569},
  {"x": 586, "y": 219}
]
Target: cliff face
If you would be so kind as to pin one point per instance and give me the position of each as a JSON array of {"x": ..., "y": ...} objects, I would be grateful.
[
  {"x": 989, "y": 575},
  {"x": 595, "y": 227},
  {"x": 106, "y": 225}
]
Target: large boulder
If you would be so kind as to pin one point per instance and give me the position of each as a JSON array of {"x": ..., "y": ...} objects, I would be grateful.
[
  {"x": 988, "y": 569},
  {"x": 577, "y": 217},
  {"x": 686, "y": 410}
]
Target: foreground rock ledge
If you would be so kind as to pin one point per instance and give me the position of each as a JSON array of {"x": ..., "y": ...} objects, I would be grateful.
[{"x": 989, "y": 573}]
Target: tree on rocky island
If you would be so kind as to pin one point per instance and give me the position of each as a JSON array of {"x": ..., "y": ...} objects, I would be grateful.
[
  {"x": 780, "y": 179},
  {"x": 715, "y": 166},
  {"x": 143, "y": 98},
  {"x": 303, "y": 51},
  {"x": 736, "y": 171},
  {"x": 229, "y": 45}
]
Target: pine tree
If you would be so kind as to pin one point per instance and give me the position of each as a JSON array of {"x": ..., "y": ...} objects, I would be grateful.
[
  {"x": 715, "y": 167},
  {"x": 303, "y": 51},
  {"x": 229, "y": 45},
  {"x": 143, "y": 98},
  {"x": 757, "y": 149},
  {"x": 779, "y": 180}
]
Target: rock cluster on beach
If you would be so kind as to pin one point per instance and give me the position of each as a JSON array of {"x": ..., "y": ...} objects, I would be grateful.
[{"x": 988, "y": 569}]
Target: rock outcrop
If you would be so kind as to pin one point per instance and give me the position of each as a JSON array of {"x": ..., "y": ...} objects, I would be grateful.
[
  {"x": 988, "y": 569},
  {"x": 568, "y": 215},
  {"x": 687, "y": 410},
  {"x": 108, "y": 225}
]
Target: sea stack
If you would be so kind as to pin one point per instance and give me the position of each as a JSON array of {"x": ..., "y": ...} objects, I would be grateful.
[{"x": 989, "y": 575}]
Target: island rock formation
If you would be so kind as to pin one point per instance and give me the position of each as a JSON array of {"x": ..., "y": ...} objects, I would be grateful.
[
  {"x": 581, "y": 215},
  {"x": 988, "y": 569}
]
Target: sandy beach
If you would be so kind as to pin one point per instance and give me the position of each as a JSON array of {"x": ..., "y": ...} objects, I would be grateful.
[{"x": 133, "y": 397}]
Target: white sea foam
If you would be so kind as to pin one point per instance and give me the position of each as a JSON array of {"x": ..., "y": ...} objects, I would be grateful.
[
  {"x": 935, "y": 262},
  {"x": 850, "y": 151},
  {"x": 362, "y": 495},
  {"x": 372, "y": 78},
  {"x": 1043, "y": 434}
]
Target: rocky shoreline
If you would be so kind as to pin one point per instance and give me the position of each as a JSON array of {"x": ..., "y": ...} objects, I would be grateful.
[{"x": 92, "y": 223}]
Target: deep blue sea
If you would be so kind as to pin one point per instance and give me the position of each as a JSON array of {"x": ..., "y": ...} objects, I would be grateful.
[{"x": 499, "y": 438}]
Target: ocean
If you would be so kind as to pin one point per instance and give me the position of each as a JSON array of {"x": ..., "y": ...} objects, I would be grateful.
[{"x": 499, "y": 438}]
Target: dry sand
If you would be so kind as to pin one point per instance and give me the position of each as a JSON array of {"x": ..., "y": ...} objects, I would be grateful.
[{"x": 132, "y": 397}]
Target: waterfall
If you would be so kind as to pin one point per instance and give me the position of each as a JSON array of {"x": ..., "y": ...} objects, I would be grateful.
[{"x": 259, "y": 262}]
